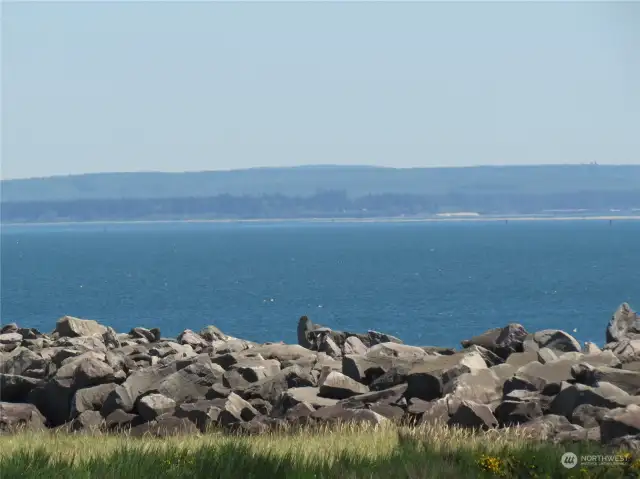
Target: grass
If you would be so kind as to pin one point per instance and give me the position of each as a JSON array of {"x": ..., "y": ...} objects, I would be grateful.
[{"x": 337, "y": 452}]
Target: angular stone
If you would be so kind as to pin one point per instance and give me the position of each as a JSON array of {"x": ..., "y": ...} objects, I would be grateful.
[
  {"x": 475, "y": 416},
  {"x": 623, "y": 325},
  {"x": 71, "y": 327},
  {"x": 271, "y": 388},
  {"x": 192, "y": 339},
  {"x": 501, "y": 341},
  {"x": 553, "y": 339},
  {"x": 154, "y": 405},
  {"x": 236, "y": 409},
  {"x": 480, "y": 386},
  {"x": 511, "y": 413},
  {"x": 338, "y": 386},
  {"x": 165, "y": 426},
  {"x": 90, "y": 399},
  {"x": 353, "y": 345},
  {"x": 120, "y": 420},
  {"x": 10, "y": 338},
  {"x": 548, "y": 426},
  {"x": 340, "y": 414},
  {"x": 203, "y": 414},
  {"x": 310, "y": 395},
  {"x": 92, "y": 372}
]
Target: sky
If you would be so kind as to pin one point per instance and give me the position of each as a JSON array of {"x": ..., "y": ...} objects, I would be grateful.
[{"x": 150, "y": 86}]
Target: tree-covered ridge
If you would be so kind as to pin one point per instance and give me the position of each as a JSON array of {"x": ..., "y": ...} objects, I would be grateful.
[{"x": 356, "y": 181}]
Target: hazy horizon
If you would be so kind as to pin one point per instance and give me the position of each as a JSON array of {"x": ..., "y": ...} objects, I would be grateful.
[{"x": 170, "y": 87}]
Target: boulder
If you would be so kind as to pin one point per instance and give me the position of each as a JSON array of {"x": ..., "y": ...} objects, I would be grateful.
[
  {"x": 620, "y": 422},
  {"x": 501, "y": 341},
  {"x": 364, "y": 370},
  {"x": 71, "y": 327},
  {"x": 192, "y": 339},
  {"x": 408, "y": 354},
  {"x": 305, "y": 326},
  {"x": 17, "y": 417},
  {"x": 138, "y": 383},
  {"x": 624, "y": 324},
  {"x": 9, "y": 328},
  {"x": 88, "y": 421},
  {"x": 473, "y": 415},
  {"x": 90, "y": 399},
  {"x": 386, "y": 397},
  {"x": 144, "y": 333},
  {"x": 154, "y": 405},
  {"x": 626, "y": 350},
  {"x": 482, "y": 386},
  {"x": 234, "y": 410},
  {"x": 512, "y": 413},
  {"x": 211, "y": 333},
  {"x": 353, "y": 345},
  {"x": 92, "y": 372},
  {"x": 310, "y": 395},
  {"x": 53, "y": 400},
  {"x": 338, "y": 386},
  {"x": 579, "y": 435},
  {"x": 522, "y": 359},
  {"x": 271, "y": 388},
  {"x": 552, "y": 339},
  {"x": 23, "y": 362},
  {"x": 628, "y": 381},
  {"x": 204, "y": 413},
  {"x": 426, "y": 380},
  {"x": 15, "y": 388},
  {"x": 120, "y": 420},
  {"x": 604, "y": 395}
]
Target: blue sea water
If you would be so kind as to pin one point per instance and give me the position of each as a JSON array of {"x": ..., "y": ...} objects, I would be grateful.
[{"x": 427, "y": 283}]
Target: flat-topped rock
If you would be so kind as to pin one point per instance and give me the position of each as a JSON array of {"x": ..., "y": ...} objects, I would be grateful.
[{"x": 71, "y": 327}]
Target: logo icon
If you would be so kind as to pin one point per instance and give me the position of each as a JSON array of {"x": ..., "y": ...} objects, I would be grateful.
[{"x": 569, "y": 460}]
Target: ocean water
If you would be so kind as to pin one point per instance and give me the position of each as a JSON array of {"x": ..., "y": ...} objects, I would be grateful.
[{"x": 427, "y": 283}]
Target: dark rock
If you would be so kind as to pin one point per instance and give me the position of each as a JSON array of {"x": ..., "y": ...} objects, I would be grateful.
[
  {"x": 120, "y": 420},
  {"x": 628, "y": 381},
  {"x": 270, "y": 389},
  {"x": 90, "y": 399},
  {"x": 53, "y": 399},
  {"x": 511, "y": 413},
  {"x": 217, "y": 391},
  {"x": 393, "y": 377},
  {"x": 138, "y": 383},
  {"x": 16, "y": 417},
  {"x": 473, "y": 415},
  {"x": 211, "y": 333},
  {"x": 364, "y": 370},
  {"x": 305, "y": 326},
  {"x": 338, "y": 386},
  {"x": 92, "y": 372},
  {"x": 204, "y": 414},
  {"x": 14, "y": 388},
  {"x": 236, "y": 409},
  {"x": 573, "y": 395},
  {"x": 143, "y": 333},
  {"x": 501, "y": 341},
  {"x": 553, "y": 339},
  {"x": 386, "y": 397},
  {"x": 263, "y": 407},
  {"x": 310, "y": 395}
]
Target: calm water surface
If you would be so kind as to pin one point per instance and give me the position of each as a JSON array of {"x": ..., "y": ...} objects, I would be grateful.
[{"x": 427, "y": 283}]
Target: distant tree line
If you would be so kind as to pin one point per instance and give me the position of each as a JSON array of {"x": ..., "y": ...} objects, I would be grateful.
[{"x": 324, "y": 204}]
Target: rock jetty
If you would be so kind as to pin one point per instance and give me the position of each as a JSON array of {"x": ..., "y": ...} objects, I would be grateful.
[{"x": 86, "y": 377}]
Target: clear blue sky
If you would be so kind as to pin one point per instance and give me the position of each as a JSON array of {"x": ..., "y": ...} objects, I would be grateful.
[{"x": 92, "y": 87}]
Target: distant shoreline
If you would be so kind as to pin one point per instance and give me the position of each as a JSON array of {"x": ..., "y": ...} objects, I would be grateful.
[{"x": 451, "y": 219}]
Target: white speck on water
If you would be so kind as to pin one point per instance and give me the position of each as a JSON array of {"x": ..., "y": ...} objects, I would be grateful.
[
  {"x": 319, "y": 306},
  {"x": 271, "y": 300},
  {"x": 82, "y": 286}
]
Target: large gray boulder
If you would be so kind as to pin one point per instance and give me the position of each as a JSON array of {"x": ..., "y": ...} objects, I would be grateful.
[
  {"x": 625, "y": 324},
  {"x": 90, "y": 399},
  {"x": 553, "y": 339},
  {"x": 16, "y": 388},
  {"x": 154, "y": 405},
  {"x": 338, "y": 386},
  {"x": 474, "y": 416},
  {"x": 71, "y": 327},
  {"x": 501, "y": 341}
]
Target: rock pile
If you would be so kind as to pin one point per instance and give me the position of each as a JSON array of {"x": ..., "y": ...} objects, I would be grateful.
[{"x": 85, "y": 376}]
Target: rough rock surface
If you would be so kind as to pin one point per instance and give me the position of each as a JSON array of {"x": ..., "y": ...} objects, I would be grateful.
[{"x": 85, "y": 376}]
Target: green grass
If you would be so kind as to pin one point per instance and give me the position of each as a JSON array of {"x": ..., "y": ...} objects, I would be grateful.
[{"x": 343, "y": 452}]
